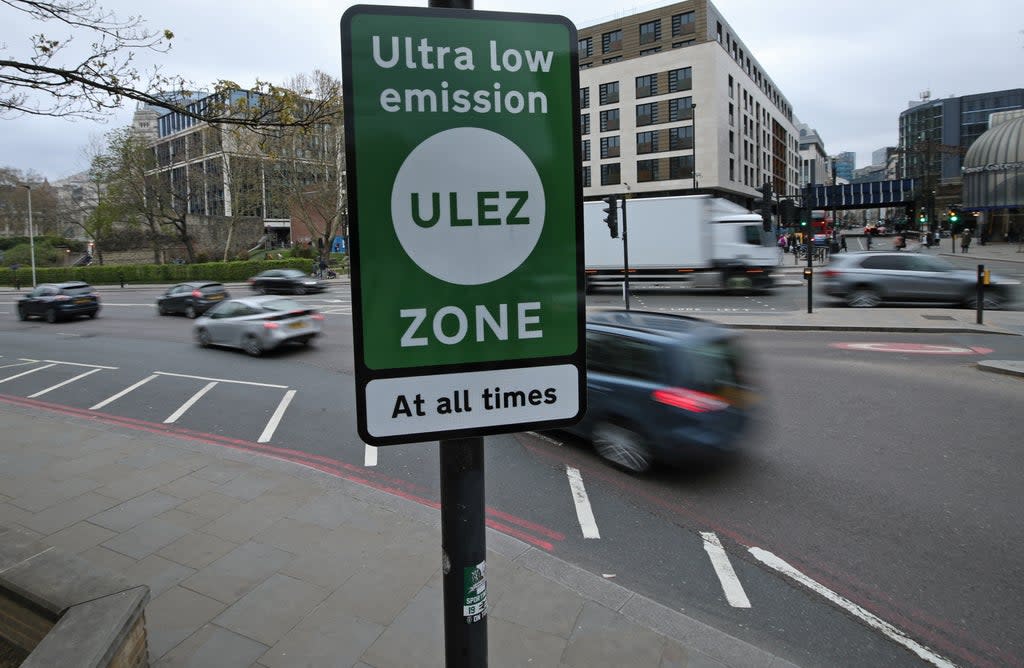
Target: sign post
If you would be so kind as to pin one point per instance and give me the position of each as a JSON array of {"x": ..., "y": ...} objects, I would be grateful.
[{"x": 465, "y": 210}]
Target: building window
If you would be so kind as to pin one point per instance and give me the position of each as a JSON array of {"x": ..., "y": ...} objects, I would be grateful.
[
  {"x": 611, "y": 41},
  {"x": 732, "y": 141},
  {"x": 609, "y": 93},
  {"x": 586, "y": 150},
  {"x": 679, "y": 109},
  {"x": 732, "y": 169},
  {"x": 647, "y": 170},
  {"x": 647, "y": 142},
  {"x": 650, "y": 31},
  {"x": 688, "y": 42},
  {"x": 610, "y": 147},
  {"x": 586, "y": 47},
  {"x": 680, "y": 138},
  {"x": 584, "y": 124},
  {"x": 730, "y": 87},
  {"x": 586, "y": 66},
  {"x": 680, "y": 167},
  {"x": 609, "y": 120},
  {"x": 584, "y": 98},
  {"x": 610, "y": 174},
  {"x": 586, "y": 177},
  {"x": 683, "y": 24},
  {"x": 681, "y": 79},
  {"x": 647, "y": 85},
  {"x": 646, "y": 114},
  {"x": 613, "y": 59},
  {"x": 647, "y": 52}
]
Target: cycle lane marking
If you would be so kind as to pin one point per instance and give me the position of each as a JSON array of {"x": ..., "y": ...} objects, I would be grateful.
[{"x": 734, "y": 593}]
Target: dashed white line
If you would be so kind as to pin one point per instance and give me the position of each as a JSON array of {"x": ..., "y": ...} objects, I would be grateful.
[
  {"x": 887, "y": 629},
  {"x": 188, "y": 404},
  {"x": 734, "y": 593},
  {"x": 122, "y": 393},
  {"x": 98, "y": 366},
  {"x": 25, "y": 373},
  {"x": 369, "y": 455},
  {"x": 275, "y": 419},
  {"x": 66, "y": 382},
  {"x": 22, "y": 363},
  {"x": 584, "y": 513}
]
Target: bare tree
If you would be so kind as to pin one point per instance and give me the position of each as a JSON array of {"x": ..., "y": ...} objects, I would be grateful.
[{"x": 52, "y": 79}]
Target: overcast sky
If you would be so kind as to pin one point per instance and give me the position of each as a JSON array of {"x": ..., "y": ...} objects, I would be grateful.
[{"x": 847, "y": 68}]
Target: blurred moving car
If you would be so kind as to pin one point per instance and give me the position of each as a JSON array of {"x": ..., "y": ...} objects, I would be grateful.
[
  {"x": 257, "y": 324},
  {"x": 865, "y": 280},
  {"x": 193, "y": 298},
  {"x": 663, "y": 387},
  {"x": 286, "y": 281},
  {"x": 57, "y": 301}
]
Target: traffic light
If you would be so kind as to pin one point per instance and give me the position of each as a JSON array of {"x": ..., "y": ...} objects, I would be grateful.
[
  {"x": 611, "y": 215},
  {"x": 954, "y": 215},
  {"x": 922, "y": 217},
  {"x": 766, "y": 206},
  {"x": 803, "y": 216},
  {"x": 787, "y": 212}
]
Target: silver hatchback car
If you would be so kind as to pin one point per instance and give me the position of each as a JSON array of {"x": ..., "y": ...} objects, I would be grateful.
[
  {"x": 258, "y": 324},
  {"x": 868, "y": 279}
]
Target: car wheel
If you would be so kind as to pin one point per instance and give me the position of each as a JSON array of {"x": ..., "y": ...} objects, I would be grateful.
[
  {"x": 863, "y": 298},
  {"x": 260, "y": 289},
  {"x": 252, "y": 346},
  {"x": 191, "y": 312},
  {"x": 161, "y": 309},
  {"x": 92, "y": 314},
  {"x": 22, "y": 313},
  {"x": 300, "y": 290},
  {"x": 203, "y": 338},
  {"x": 992, "y": 300},
  {"x": 51, "y": 315},
  {"x": 622, "y": 447}
]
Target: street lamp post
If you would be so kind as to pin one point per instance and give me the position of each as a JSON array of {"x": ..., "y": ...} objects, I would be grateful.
[
  {"x": 693, "y": 123},
  {"x": 31, "y": 232}
]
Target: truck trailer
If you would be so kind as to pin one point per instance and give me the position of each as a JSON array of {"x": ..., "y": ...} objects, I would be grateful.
[{"x": 699, "y": 240}]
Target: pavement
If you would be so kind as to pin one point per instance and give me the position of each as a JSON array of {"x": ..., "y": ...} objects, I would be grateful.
[{"x": 262, "y": 557}]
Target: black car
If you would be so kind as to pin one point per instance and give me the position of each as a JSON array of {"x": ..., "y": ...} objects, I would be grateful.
[
  {"x": 663, "y": 387},
  {"x": 285, "y": 281},
  {"x": 193, "y": 298},
  {"x": 57, "y": 301}
]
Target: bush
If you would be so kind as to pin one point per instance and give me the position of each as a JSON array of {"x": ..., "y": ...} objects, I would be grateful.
[{"x": 149, "y": 273}]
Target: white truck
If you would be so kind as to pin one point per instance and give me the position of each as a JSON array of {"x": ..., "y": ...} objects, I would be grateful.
[{"x": 700, "y": 240}]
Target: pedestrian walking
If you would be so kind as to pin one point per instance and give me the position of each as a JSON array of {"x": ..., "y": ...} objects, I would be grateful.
[
  {"x": 842, "y": 243},
  {"x": 965, "y": 241}
]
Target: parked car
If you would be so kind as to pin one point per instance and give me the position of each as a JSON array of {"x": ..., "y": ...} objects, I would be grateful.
[
  {"x": 868, "y": 279},
  {"x": 193, "y": 298},
  {"x": 57, "y": 301},
  {"x": 286, "y": 281},
  {"x": 257, "y": 324},
  {"x": 663, "y": 388}
]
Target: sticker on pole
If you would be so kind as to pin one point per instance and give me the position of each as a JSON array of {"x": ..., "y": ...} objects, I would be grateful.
[
  {"x": 474, "y": 592},
  {"x": 465, "y": 221}
]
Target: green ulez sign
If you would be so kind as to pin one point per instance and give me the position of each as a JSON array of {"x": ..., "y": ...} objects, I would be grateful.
[{"x": 465, "y": 221}]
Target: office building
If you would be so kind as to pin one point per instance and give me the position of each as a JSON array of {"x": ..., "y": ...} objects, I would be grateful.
[
  {"x": 843, "y": 165},
  {"x": 813, "y": 159},
  {"x": 673, "y": 102}
]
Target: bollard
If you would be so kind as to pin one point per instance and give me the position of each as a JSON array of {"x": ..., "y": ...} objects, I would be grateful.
[
  {"x": 982, "y": 282},
  {"x": 120, "y": 277}
]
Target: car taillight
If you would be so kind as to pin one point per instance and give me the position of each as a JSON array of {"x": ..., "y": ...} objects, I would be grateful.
[
  {"x": 830, "y": 273},
  {"x": 270, "y": 325},
  {"x": 690, "y": 400},
  {"x": 316, "y": 316},
  {"x": 197, "y": 294}
]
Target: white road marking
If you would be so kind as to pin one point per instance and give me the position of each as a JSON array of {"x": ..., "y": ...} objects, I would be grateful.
[
  {"x": 275, "y": 419},
  {"x": 26, "y": 560},
  {"x": 734, "y": 593},
  {"x": 66, "y": 382},
  {"x": 584, "y": 513},
  {"x": 369, "y": 455},
  {"x": 23, "y": 363},
  {"x": 220, "y": 380},
  {"x": 542, "y": 437},
  {"x": 122, "y": 393},
  {"x": 188, "y": 404},
  {"x": 25, "y": 373},
  {"x": 97, "y": 366},
  {"x": 887, "y": 629}
]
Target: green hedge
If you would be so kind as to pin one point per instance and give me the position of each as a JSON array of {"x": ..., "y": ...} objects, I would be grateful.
[{"x": 150, "y": 273}]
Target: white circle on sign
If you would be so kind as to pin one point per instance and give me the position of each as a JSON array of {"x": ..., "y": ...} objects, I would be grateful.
[{"x": 468, "y": 206}]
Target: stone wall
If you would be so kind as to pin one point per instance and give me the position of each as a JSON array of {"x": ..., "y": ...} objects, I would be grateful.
[{"x": 209, "y": 235}]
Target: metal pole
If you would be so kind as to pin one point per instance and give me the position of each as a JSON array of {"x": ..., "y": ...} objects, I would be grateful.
[
  {"x": 625, "y": 257},
  {"x": 981, "y": 294},
  {"x": 810, "y": 273},
  {"x": 31, "y": 234},
  {"x": 464, "y": 552},
  {"x": 693, "y": 123},
  {"x": 463, "y": 533}
]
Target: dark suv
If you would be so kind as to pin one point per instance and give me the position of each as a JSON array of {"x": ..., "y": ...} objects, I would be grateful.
[
  {"x": 662, "y": 387},
  {"x": 56, "y": 301},
  {"x": 193, "y": 299}
]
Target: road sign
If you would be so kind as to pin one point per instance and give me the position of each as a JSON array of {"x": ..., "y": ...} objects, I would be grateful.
[{"x": 465, "y": 221}]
